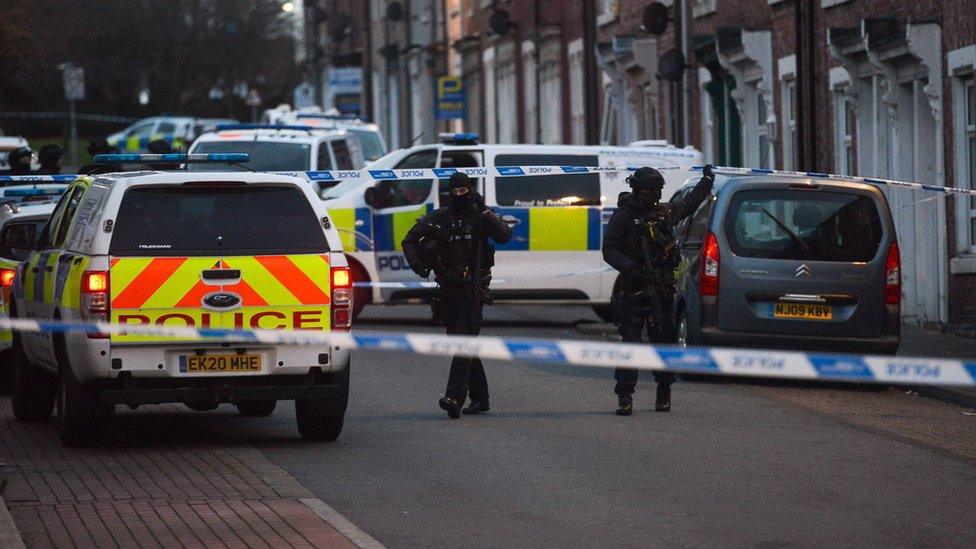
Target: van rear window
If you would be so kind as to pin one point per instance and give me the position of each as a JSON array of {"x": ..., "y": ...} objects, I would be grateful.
[
  {"x": 216, "y": 220},
  {"x": 263, "y": 156},
  {"x": 803, "y": 225}
]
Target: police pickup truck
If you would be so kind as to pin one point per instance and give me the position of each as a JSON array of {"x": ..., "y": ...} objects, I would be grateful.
[{"x": 237, "y": 250}]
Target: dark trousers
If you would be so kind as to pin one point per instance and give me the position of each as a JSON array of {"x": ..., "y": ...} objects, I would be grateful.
[
  {"x": 463, "y": 317},
  {"x": 631, "y": 331}
]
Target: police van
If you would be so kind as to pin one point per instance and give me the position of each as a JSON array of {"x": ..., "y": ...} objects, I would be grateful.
[
  {"x": 283, "y": 149},
  {"x": 557, "y": 220},
  {"x": 19, "y": 223},
  {"x": 370, "y": 138},
  {"x": 183, "y": 249}
]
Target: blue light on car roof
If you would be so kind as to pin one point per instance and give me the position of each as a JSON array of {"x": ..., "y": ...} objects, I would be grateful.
[
  {"x": 329, "y": 116},
  {"x": 223, "y": 127},
  {"x": 35, "y": 191},
  {"x": 174, "y": 158}
]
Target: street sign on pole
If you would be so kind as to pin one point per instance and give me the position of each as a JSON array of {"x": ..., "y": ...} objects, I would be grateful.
[
  {"x": 304, "y": 96},
  {"x": 74, "y": 90},
  {"x": 74, "y": 83},
  {"x": 450, "y": 103}
]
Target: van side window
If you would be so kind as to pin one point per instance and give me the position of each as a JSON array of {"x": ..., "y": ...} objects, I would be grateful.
[
  {"x": 342, "y": 156},
  {"x": 17, "y": 239},
  {"x": 459, "y": 159},
  {"x": 407, "y": 192},
  {"x": 50, "y": 228},
  {"x": 698, "y": 223},
  {"x": 324, "y": 161},
  {"x": 547, "y": 190},
  {"x": 69, "y": 213}
]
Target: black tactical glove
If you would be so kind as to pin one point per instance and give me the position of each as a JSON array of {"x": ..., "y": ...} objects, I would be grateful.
[
  {"x": 422, "y": 271},
  {"x": 707, "y": 173}
]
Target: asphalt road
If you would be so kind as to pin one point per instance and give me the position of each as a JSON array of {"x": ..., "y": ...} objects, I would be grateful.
[{"x": 732, "y": 465}]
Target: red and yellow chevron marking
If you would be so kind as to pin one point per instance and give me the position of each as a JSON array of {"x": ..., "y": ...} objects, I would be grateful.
[{"x": 277, "y": 292}]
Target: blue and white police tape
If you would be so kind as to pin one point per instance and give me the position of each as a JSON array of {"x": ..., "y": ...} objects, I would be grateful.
[
  {"x": 497, "y": 171},
  {"x": 420, "y": 284},
  {"x": 583, "y": 353},
  {"x": 58, "y": 178}
]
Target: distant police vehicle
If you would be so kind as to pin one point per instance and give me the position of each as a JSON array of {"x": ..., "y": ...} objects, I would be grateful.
[
  {"x": 371, "y": 139},
  {"x": 19, "y": 225},
  {"x": 177, "y": 131},
  {"x": 20, "y": 191},
  {"x": 558, "y": 220},
  {"x": 294, "y": 149},
  {"x": 173, "y": 249}
]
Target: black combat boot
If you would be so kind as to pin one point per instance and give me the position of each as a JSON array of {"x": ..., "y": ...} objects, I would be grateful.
[
  {"x": 625, "y": 405},
  {"x": 451, "y": 406},
  {"x": 476, "y": 407},
  {"x": 663, "y": 402}
]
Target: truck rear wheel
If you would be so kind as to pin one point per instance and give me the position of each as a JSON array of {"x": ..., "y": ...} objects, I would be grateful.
[
  {"x": 256, "y": 408},
  {"x": 320, "y": 419},
  {"x": 32, "y": 390},
  {"x": 79, "y": 410}
]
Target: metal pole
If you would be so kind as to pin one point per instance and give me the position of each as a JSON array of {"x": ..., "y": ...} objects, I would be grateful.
[
  {"x": 801, "y": 68},
  {"x": 685, "y": 93},
  {"x": 538, "y": 73},
  {"x": 73, "y": 145}
]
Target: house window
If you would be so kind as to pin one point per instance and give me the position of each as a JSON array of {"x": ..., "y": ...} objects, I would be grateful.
[
  {"x": 970, "y": 140},
  {"x": 650, "y": 113},
  {"x": 576, "y": 99},
  {"x": 550, "y": 88},
  {"x": 790, "y": 160},
  {"x": 762, "y": 131},
  {"x": 845, "y": 132}
]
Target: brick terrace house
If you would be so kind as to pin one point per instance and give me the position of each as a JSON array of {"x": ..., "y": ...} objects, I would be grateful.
[{"x": 880, "y": 88}]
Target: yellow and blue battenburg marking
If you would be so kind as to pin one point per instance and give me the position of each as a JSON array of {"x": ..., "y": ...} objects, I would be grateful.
[{"x": 553, "y": 229}]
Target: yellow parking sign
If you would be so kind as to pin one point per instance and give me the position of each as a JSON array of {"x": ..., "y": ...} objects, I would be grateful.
[{"x": 451, "y": 103}]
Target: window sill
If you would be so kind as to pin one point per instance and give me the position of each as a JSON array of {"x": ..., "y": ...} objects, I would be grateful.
[{"x": 965, "y": 264}]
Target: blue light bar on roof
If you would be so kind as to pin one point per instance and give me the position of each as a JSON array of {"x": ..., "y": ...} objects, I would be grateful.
[
  {"x": 174, "y": 158},
  {"x": 223, "y": 127},
  {"x": 460, "y": 138},
  {"x": 329, "y": 116},
  {"x": 36, "y": 191}
]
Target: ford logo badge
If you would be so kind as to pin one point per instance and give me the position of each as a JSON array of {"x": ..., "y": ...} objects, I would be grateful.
[{"x": 221, "y": 301}]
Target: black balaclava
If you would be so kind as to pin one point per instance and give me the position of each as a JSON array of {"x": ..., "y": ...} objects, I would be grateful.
[
  {"x": 459, "y": 180},
  {"x": 20, "y": 161},
  {"x": 647, "y": 185}
]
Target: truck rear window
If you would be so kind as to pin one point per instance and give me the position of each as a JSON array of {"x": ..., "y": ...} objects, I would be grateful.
[
  {"x": 216, "y": 220},
  {"x": 803, "y": 225}
]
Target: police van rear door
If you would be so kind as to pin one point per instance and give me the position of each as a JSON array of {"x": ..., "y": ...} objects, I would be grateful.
[{"x": 218, "y": 254}]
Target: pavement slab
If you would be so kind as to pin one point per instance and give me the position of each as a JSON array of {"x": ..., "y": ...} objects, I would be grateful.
[{"x": 186, "y": 489}]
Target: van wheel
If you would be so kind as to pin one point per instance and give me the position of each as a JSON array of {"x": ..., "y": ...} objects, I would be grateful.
[
  {"x": 202, "y": 405},
  {"x": 604, "y": 312},
  {"x": 79, "y": 410},
  {"x": 256, "y": 408},
  {"x": 32, "y": 390},
  {"x": 321, "y": 420}
]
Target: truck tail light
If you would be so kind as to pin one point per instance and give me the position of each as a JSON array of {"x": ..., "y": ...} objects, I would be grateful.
[
  {"x": 7, "y": 277},
  {"x": 708, "y": 282},
  {"x": 95, "y": 299},
  {"x": 893, "y": 276},
  {"x": 341, "y": 299}
]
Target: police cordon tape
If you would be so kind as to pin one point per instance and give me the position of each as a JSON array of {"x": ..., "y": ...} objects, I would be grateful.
[
  {"x": 498, "y": 171},
  {"x": 582, "y": 353}
]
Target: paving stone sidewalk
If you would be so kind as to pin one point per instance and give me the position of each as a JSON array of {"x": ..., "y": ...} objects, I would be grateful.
[{"x": 137, "y": 493}]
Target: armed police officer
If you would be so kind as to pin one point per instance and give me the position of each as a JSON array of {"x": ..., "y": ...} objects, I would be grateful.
[
  {"x": 640, "y": 243},
  {"x": 453, "y": 242}
]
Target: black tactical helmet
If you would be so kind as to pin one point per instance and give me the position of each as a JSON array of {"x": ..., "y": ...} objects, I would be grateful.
[
  {"x": 50, "y": 154},
  {"x": 646, "y": 178},
  {"x": 20, "y": 159}
]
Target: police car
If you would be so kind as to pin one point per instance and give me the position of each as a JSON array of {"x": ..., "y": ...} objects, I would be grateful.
[
  {"x": 557, "y": 220},
  {"x": 177, "y": 131},
  {"x": 200, "y": 249},
  {"x": 291, "y": 149},
  {"x": 19, "y": 224}
]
